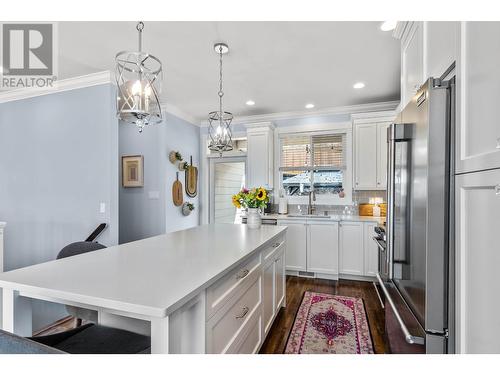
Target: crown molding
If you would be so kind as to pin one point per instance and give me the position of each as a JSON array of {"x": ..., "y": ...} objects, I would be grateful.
[
  {"x": 74, "y": 83},
  {"x": 173, "y": 110},
  {"x": 358, "y": 108}
]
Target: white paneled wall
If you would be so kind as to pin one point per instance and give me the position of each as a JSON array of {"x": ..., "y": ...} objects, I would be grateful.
[{"x": 228, "y": 180}]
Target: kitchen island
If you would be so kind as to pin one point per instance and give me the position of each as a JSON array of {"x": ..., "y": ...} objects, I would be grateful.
[{"x": 209, "y": 289}]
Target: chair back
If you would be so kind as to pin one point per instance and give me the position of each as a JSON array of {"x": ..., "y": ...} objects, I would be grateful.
[{"x": 77, "y": 248}]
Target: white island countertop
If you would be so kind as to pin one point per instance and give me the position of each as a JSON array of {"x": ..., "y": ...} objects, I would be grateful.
[{"x": 152, "y": 277}]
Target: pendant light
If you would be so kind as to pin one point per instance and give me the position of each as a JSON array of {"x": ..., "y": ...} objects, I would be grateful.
[
  {"x": 138, "y": 77},
  {"x": 219, "y": 122}
]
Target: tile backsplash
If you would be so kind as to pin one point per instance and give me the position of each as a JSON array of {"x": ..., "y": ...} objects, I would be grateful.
[{"x": 361, "y": 196}]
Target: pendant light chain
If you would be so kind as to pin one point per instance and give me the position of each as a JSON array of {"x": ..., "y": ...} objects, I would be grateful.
[{"x": 221, "y": 93}]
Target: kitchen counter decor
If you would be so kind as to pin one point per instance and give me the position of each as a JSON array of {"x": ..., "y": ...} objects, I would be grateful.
[{"x": 254, "y": 200}]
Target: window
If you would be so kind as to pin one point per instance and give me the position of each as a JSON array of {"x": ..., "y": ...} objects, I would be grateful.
[{"x": 315, "y": 161}]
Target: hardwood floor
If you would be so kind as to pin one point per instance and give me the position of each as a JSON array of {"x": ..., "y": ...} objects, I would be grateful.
[{"x": 296, "y": 286}]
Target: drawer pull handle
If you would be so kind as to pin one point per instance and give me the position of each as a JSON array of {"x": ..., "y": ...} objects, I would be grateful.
[
  {"x": 244, "y": 312},
  {"x": 242, "y": 274},
  {"x": 276, "y": 244},
  {"x": 497, "y": 189}
]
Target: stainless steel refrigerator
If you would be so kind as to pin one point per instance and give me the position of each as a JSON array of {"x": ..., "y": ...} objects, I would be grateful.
[{"x": 415, "y": 269}]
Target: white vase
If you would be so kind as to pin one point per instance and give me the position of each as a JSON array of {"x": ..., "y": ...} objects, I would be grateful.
[{"x": 254, "y": 220}]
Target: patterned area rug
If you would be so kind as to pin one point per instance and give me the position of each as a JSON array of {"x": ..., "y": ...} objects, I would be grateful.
[{"x": 330, "y": 324}]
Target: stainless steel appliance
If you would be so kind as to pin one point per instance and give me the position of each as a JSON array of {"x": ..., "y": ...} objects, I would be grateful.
[{"x": 414, "y": 269}]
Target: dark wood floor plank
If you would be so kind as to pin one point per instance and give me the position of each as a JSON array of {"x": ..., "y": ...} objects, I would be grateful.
[{"x": 296, "y": 286}]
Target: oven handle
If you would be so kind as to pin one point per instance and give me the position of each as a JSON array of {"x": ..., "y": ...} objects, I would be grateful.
[
  {"x": 410, "y": 339},
  {"x": 380, "y": 246}
]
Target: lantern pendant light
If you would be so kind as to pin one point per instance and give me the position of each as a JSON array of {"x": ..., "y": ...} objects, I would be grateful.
[
  {"x": 219, "y": 122},
  {"x": 138, "y": 76}
]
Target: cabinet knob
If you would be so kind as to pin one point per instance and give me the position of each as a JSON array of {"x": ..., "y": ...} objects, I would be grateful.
[{"x": 497, "y": 189}]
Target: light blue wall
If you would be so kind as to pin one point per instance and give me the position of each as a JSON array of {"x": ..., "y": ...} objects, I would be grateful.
[
  {"x": 58, "y": 162},
  {"x": 149, "y": 211}
]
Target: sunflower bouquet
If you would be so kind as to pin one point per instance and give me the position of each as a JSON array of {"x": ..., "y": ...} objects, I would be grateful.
[{"x": 253, "y": 198}]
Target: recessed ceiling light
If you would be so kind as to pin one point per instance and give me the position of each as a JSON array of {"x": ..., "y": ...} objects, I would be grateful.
[
  {"x": 250, "y": 102},
  {"x": 388, "y": 25},
  {"x": 358, "y": 85},
  {"x": 309, "y": 106}
]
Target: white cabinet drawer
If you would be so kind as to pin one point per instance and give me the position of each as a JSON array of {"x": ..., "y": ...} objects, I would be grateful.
[
  {"x": 225, "y": 327},
  {"x": 251, "y": 336},
  {"x": 224, "y": 288},
  {"x": 272, "y": 249}
]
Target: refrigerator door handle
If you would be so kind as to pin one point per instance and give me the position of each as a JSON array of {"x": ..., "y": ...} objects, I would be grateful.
[{"x": 410, "y": 339}]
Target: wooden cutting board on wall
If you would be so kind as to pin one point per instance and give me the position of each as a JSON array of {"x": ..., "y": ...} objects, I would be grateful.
[
  {"x": 191, "y": 180},
  {"x": 177, "y": 193}
]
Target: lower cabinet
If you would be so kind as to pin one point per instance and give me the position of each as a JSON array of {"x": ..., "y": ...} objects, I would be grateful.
[
  {"x": 242, "y": 305},
  {"x": 477, "y": 252},
  {"x": 273, "y": 288},
  {"x": 296, "y": 245},
  {"x": 370, "y": 250},
  {"x": 322, "y": 248},
  {"x": 351, "y": 248},
  {"x": 268, "y": 277},
  {"x": 358, "y": 252}
]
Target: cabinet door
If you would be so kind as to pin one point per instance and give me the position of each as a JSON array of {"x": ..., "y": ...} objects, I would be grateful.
[
  {"x": 351, "y": 248},
  {"x": 322, "y": 249},
  {"x": 478, "y": 95},
  {"x": 478, "y": 260},
  {"x": 412, "y": 68},
  {"x": 370, "y": 250},
  {"x": 279, "y": 282},
  {"x": 295, "y": 245},
  {"x": 365, "y": 155},
  {"x": 260, "y": 159},
  {"x": 268, "y": 294},
  {"x": 441, "y": 46},
  {"x": 382, "y": 155}
]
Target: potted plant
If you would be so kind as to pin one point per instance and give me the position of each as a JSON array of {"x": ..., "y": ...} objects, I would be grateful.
[
  {"x": 253, "y": 200},
  {"x": 187, "y": 208}
]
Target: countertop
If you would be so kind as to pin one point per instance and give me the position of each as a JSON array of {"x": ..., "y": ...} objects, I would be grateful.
[
  {"x": 152, "y": 277},
  {"x": 377, "y": 219}
]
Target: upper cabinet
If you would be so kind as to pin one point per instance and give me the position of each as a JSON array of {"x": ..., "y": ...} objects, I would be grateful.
[
  {"x": 428, "y": 49},
  {"x": 370, "y": 150},
  {"x": 478, "y": 97},
  {"x": 260, "y": 155},
  {"x": 412, "y": 61},
  {"x": 440, "y": 46}
]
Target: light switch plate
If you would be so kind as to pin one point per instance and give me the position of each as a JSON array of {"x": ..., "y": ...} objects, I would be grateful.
[{"x": 102, "y": 208}]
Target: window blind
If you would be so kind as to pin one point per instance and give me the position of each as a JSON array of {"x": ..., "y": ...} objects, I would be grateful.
[
  {"x": 329, "y": 151},
  {"x": 295, "y": 153}
]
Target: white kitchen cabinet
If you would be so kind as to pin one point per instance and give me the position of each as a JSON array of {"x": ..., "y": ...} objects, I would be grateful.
[
  {"x": 370, "y": 152},
  {"x": 268, "y": 293},
  {"x": 296, "y": 245},
  {"x": 279, "y": 281},
  {"x": 323, "y": 248},
  {"x": 260, "y": 155},
  {"x": 365, "y": 156},
  {"x": 440, "y": 46},
  {"x": 477, "y": 261},
  {"x": 412, "y": 62},
  {"x": 382, "y": 154},
  {"x": 370, "y": 250},
  {"x": 478, "y": 96},
  {"x": 351, "y": 257},
  {"x": 2, "y": 226}
]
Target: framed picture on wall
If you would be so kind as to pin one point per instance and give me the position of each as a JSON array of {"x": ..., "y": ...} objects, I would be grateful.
[{"x": 133, "y": 171}]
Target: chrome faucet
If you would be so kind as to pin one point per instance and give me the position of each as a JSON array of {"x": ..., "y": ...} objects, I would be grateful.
[{"x": 312, "y": 198}]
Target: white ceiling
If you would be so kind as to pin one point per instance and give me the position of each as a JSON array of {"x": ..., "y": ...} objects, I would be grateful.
[{"x": 280, "y": 65}]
